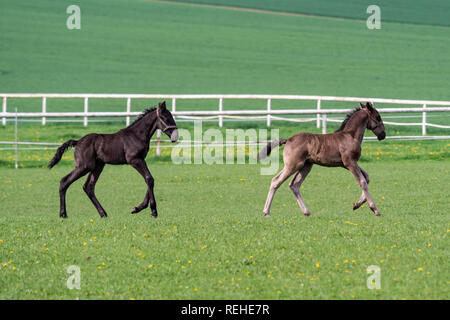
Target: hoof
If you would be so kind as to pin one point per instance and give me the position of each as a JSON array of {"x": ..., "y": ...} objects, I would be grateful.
[
  {"x": 377, "y": 213},
  {"x": 63, "y": 216},
  {"x": 154, "y": 216},
  {"x": 266, "y": 214},
  {"x": 355, "y": 206},
  {"x": 307, "y": 214},
  {"x": 135, "y": 210}
]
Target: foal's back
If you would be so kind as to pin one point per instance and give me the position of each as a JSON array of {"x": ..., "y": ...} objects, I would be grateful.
[
  {"x": 107, "y": 148},
  {"x": 321, "y": 149}
]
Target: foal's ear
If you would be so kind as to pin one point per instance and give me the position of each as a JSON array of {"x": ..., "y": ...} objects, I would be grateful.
[
  {"x": 362, "y": 105},
  {"x": 369, "y": 106},
  {"x": 162, "y": 105}
]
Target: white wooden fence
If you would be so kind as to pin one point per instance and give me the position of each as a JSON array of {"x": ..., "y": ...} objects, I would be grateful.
[
  {"x": 422, "y": 106},
  {"x": 268, "y": 114}
]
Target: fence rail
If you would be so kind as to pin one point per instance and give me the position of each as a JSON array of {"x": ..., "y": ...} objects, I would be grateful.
[{"x": 268, "y": 114}]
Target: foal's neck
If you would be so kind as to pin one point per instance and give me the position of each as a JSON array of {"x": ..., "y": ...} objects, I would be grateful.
[
  {"x": 146, "y": 127},
  {"x": 357, "y": 124}
]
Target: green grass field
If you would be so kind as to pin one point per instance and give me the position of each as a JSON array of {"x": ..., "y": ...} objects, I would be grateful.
[
  {"x": 151, "y": 47},
  {"x": 415, "y": 11},
  {"x": 211, "y": 240}
]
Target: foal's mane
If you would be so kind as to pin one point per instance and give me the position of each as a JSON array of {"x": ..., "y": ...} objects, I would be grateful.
[
  {"x": 142, "y": 115},
  {"x": 349, "y": 115}
]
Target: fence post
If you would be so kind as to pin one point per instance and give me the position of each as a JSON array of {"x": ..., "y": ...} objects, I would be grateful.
[
  {"x": 16, "y": 139},
  {"x": 4, "y": 110},
  {"x": 424, "y": 121},
  {"x": 86, "y": 110},
  {"x": 318, "y": 114},
  {"x": 174, "y": 107},
  {"x": 158, "y": 143},
  {"x": 128, "y": 110},
  {"x": 220, "y": 110},
  {"x": 44, "y": 109},
  {"x": 324, "y": 123},
  {"x": 269, "y": 107}
]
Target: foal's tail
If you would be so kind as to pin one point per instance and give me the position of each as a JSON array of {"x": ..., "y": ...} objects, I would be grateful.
[
  {"x": 268, "y": 149},
  {"x": 58, "y": 155}
]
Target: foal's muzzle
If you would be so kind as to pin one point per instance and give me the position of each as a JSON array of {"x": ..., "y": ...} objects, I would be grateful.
[
  {"x": 381, "y": 136},
  {"x": 174, "y": 136}
]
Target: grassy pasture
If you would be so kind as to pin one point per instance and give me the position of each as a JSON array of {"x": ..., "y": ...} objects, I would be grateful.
[
  {"x": 415, "y": 11},
  {"x": 212, "y": 242},
  {"x": 151, "y": 47}
]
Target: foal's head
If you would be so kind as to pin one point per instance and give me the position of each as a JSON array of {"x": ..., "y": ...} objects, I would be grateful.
[
  {"x": 165, "y": 122},
  {"x": 375, "y": 124}
]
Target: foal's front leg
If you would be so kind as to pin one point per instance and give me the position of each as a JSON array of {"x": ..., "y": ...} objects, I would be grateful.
[
  {"x": 359, "y": 176},
  {"x": 141, "y": 166}
]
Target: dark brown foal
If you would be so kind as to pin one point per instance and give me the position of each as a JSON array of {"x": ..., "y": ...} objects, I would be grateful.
[
  {"x": 339, "y": 149},
  {"x": 127, "y": 146}
]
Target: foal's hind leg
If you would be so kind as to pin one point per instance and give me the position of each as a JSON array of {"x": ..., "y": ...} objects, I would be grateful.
[
  {"x": 89, "y": 187},
  {"x": 295, "y": 184},
  {"x": 362, "y": 199},
  {"x": 65, "y": 183},
  {"x": 276, "y": 183}
]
